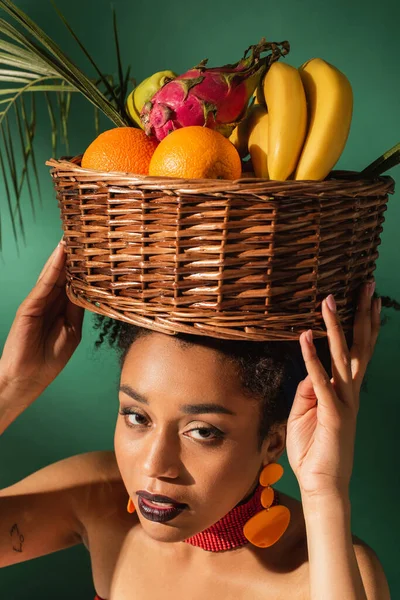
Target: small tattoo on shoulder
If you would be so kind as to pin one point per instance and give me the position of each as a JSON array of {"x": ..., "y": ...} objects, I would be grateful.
[{"x": 17, "y": 539}]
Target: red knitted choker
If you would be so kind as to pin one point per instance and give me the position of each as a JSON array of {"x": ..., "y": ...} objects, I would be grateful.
[{"x": 227, "y": 533}]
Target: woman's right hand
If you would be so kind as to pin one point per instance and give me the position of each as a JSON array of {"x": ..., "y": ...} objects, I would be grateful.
[{"x": 46, "y": 331}]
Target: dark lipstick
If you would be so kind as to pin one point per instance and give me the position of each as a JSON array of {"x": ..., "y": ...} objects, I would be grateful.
[{"x": 158, "y": 513}]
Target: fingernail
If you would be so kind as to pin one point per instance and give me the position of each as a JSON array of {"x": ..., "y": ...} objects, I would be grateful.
[
  {"x": 330, "y": 300},
  {"x": 379, "y": 305},
  {"x": 371, "y": 288},
  {"x": 309, "y": 337}
]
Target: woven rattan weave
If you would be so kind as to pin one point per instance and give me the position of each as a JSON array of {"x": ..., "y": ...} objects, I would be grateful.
[{"x": 249, "y": 259}]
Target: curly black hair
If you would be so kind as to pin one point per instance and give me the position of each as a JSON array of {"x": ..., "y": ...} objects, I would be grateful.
[{"x": 267, "y": 371}]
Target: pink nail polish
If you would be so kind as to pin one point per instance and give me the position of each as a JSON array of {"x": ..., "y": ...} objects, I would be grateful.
[{"x": 330, "y": 300}]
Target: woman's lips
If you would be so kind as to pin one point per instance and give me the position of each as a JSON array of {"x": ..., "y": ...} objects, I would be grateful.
[
  {"x": 159, "y": 513},
  {"x": 159, "y": 498}
]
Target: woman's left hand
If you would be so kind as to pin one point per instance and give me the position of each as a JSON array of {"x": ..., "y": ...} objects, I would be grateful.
[{"x": 322, "y": 423}]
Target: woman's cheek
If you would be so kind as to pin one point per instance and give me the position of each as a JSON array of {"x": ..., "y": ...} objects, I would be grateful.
[{"x": 123, "y": 447}]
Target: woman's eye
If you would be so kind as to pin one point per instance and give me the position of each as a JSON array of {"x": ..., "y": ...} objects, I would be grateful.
[
  {"x": 206, "y": 433},
  {"x": 133, "y": 419}
]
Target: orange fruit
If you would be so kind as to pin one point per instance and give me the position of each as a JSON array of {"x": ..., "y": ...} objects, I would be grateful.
[
  {"x": 124, "y": 149},
  {"x": 196, "y": 152}
]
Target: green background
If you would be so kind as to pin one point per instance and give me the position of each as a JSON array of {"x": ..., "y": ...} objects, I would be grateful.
[{"x": 77, "y": 412}]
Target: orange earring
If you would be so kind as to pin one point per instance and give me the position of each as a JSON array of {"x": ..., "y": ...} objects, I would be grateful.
[
  {"x": 267, "y": 526},
  {"x": 131, "y": 507}
]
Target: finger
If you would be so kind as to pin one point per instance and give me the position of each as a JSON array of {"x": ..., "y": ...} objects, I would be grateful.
[
  {"x": 341, "y": 364},
  {"x": 305, "y": 398},
  {"x": 361, "y": 348},
  {"x": 361, "y": 365},
  {"x": 375, "y": 322},
  {"x": 46, "y": 284},
  {"x": 55, "y": 307},
  {"x": 58, "y": 289},
  {"x": 62, "y": 278},
  {"x": 74, "y": 316},
  {"x": 50, "y": 259},
  {"x": 322, "y": 385}
]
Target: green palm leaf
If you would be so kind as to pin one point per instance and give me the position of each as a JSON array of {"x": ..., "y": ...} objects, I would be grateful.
[
  {"x": 31, "y": 62},
  {"x": 389, "y": 159}
]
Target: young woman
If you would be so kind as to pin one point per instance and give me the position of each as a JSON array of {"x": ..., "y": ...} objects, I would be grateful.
[{"x": 201, "y": 423}]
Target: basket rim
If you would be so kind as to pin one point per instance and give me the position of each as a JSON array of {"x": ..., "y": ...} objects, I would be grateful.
[{"x": 337, "y": 180}]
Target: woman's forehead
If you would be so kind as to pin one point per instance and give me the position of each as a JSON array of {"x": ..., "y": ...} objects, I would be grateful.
[{"x": 159, "y": 365}]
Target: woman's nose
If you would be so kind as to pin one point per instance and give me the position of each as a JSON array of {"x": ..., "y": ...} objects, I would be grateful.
[{"x": 162, "y": 456}]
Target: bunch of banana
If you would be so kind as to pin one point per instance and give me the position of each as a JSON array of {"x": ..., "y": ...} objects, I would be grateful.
[{"x": 299, "y": 122}]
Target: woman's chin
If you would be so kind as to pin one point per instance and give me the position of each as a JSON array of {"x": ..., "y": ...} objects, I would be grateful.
[{"x": 166, "y": 532}]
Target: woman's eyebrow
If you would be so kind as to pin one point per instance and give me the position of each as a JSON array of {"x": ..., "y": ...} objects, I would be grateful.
[
  {"x": 124, "y": 387},
  {"x": 198, "y": 409},
  {"x": 190, "y": 409}
]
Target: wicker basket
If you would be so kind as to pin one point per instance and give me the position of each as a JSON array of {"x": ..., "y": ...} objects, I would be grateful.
[{"x": 249, "y": 259}]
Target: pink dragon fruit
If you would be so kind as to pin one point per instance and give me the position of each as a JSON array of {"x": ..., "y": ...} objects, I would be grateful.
[{"x": 216, "y": 98}]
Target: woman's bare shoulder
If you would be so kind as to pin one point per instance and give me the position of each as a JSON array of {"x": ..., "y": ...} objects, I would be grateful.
[
  {"x": 98, "y": 465},
  {"x": 52, "y": 506},
  {"x": 73, "y": 471},
  {"x": 99, "y": 474}
]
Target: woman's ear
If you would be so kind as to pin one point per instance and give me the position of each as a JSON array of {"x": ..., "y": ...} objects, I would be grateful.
[{"x": 274, "y": 444}]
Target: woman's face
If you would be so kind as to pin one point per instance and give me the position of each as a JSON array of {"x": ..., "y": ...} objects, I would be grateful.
[{"x": 191, "y": 434}]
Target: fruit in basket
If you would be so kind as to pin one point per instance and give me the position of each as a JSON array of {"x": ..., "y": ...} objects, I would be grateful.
[
  {"x": 258, "y": 141},
  {"x": 259, "y": 93},
  {"x": 286, "y": 101},
  {"x": 126, "y": 149},
  {"x": 330, "y": 106},
  {"x": 240, "y": 135},
  {"x": 216, "y": 98},
  {"x": 144, "y": 92},
  {"x": 196, "y": 152}
]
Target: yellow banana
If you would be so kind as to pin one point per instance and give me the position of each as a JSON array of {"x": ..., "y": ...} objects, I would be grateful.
[
  {"x": 259, "y": 93},
  {"x": 287, "y": 122},
  {"x": 330, "y": 106},
  {"x": 240, "y": 135},
  {"x": 144, "y": 92},
  {"x": 258, "y": 141}
]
